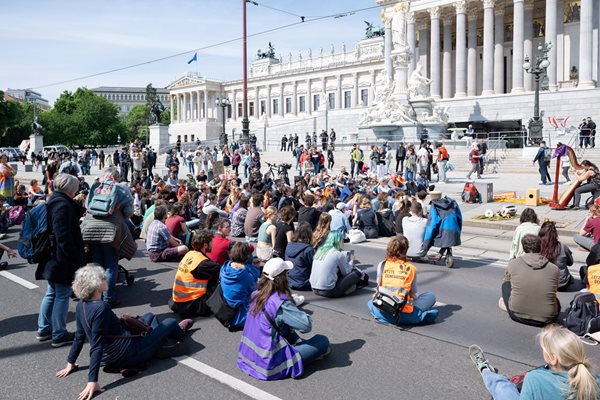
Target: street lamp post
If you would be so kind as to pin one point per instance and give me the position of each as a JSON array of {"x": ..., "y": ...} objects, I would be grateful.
[
  {"x": 245, "y": 137},
  {"x": 223, "y": 102},
  {"x": 537, "y": 69}
]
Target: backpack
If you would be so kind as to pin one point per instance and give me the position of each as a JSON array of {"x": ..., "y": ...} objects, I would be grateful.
[
  {"x": 16, "y": 215},
  {"x": 226, "y": 160},
  {"x": 582, "y": 316},
  {"x": 547, "y": 154},
  {"x": 102, "y": 202},
  {"x": 35, "y": 239},
  {"x": 470, "y": 194}
]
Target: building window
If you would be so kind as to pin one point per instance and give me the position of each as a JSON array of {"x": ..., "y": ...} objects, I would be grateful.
[
  {"x": 316, "y": 102},
  {"x": 251, "y": 109},
  {"x": 347, "y": 99},
  {"x": 192, "y": 138},
  {"x": 184, "y": 138},
  {"x": 240, "y": 109},
  {"x": 229, "y": 113},
  {"x": 179, "y": 138},
  {"x": 302, "y": 103},
  {"x": 364, "y": 97},
  {"x": 263, "y": 107},
  {"x": 331, "y": 101},
  {"x": 288, "y": 105},
  {"x": 275, "y": 106}
]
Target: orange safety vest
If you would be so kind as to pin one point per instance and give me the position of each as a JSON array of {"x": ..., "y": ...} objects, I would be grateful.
[
  {"x": 593, "y": 278},
  {"x": 186, "y": 287},
  {"x": 399, "y": 274}
]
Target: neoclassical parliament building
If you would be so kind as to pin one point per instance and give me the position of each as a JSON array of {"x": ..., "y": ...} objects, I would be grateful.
[{"x": 473, "y": 51}]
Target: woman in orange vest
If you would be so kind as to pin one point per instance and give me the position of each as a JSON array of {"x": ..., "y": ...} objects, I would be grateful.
[{"x": 398, "y": 275}]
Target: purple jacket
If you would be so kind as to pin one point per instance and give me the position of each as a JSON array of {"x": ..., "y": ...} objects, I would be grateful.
[{"x": 264, "y": 354}]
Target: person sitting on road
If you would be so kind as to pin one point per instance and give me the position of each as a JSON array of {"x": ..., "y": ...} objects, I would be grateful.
[
  {"x": 322, "y": 230},
  {"x": 270, "y": 349},
  {"x": 285, "y": 230},
  {"x": 308, "y": 213},
  {"x": 568, "y": 373},
  {"x": 333, "y": 273},
  {"x": 366, "y": 219},
  {"x": 160, "y": 244},
  {"x": 176, "y": 224},
  {"x": 589, "y": 235},
  {"x": 592, "y": 175},
  {"x": 529, "y": 226},
  {"x": 413, "y": 228},
  {"x": 557, "y": 253},
  {"x": 196, "y": 278},
  {"x": 339, "y": 220},
  {"x": 301, "y": 254},
  {"x": 221, "y": 244},
  {"x": 402, "y": 209},
  {"x": 239, "y": 217},
  {"x": 254, "y": 218},
  {"x": 109, "y": 342},
  {"x": 530, "y": 286},
  {"x": 395, "y": 274},
  {"x": 238, "y": 281},
  {"x": 266, "y": 235}
]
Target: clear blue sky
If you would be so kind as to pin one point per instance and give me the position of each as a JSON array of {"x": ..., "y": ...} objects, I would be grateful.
[{"x": 44, "y": 42}]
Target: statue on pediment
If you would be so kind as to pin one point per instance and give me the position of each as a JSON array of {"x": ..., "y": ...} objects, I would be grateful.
[
  {"x": 399, "y": 26},
  {"x": 270, "y": 53},
  {"x": 418, "y": 84},
  {"x": 371, "y": 32}
]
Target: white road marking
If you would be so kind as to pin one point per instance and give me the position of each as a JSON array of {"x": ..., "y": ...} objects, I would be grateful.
[
  {"x": 226, "y": 379},
  {"x": 18, "y": 280}
]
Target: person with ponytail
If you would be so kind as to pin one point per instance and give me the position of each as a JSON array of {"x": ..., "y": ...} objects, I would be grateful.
[
  {"x": 568, "y": 373},
  {"x": 557, "y": 253}
]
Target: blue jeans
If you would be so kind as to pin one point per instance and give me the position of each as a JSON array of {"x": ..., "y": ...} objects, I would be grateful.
[
  {"x": 423, "y": 312},
  {"x": 143, "y": 349},
  {"x": 54, "y": 309},
  {"x": 193, "y": 224},
  {"x": 409, "y": 175},
  {"x": 312, "y": 348},
  {"x": 499, "y": 386},
  {"x": 106, "y": 256}
]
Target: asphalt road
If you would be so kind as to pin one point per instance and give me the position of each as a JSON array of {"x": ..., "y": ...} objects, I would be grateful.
[{"x": 369, "y": 359}]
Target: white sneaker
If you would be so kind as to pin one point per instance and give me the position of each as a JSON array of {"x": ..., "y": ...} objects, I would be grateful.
[
  {"x": 298, "y": 299},
  {"x": 541, "y": 183}
]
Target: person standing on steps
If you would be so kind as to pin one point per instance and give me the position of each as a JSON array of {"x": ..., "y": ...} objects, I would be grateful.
[{"x": 474, "y": 159}]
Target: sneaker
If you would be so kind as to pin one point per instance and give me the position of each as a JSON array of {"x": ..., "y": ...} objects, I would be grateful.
[
  {"x": 501, "y": 304},
  {"x": 3, "y": 265},
  {"x": 64, "y": 340},
  {"x": 479, "y": 359},
  {"x": 43, "y": 337},
  {"x": 325, "y": 355},
  {"x": 298, "y": 299},
  {"x": 186, "y": 325}
]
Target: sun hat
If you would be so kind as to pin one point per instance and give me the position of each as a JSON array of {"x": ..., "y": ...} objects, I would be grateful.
[{"x": 276, "y": 266}]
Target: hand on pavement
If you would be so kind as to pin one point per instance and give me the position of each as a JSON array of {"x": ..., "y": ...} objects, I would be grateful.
[
  {"x": 88, "y": 392},
  {"x": 66, "y": 370}
]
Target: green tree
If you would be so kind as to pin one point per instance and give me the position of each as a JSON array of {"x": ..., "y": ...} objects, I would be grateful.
[
  {"x": 83, "y": 118},
  {"x": 151, "y": 96},
  {"x": 136, "y": 122},
  {"x": 15, "y": 121}
]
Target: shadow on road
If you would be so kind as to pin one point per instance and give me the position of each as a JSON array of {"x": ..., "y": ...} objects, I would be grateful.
[
  {"x": 339, "y": 357},
  {"x": 446, "y": 311}
]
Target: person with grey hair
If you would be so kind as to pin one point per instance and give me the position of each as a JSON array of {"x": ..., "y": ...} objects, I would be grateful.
[
  {"x": 108, "y": 236},
  {"x": 109, "y": 342},
  {"x": 63, "y": 215}
]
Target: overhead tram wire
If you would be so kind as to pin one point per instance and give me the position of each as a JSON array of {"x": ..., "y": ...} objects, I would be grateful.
[{"x": 305, "y": 20}]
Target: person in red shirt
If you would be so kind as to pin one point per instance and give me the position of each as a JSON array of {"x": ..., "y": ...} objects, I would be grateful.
[
  {"x": 220, "y": 245},
  {"x": 176, "y": 224},
  {"x": 590, "y": 233}
]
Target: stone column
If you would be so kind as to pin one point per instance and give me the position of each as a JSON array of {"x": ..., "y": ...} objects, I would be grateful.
[
  {"x": 472, "y": 52},
  {"x": 281, "y": 101},
  {"x": 518, "y": 58},
  {"x": 447, "y": 57},
  {"x": 551, "y": 14},
  {"x": 178, "y": 107},
  {"x": 372, "y": 88},
  {"x": 528, "y": 42},
  {"x": 295, "y": 99},
  {"x": 172, "y": 108},
  {"x": 411, "y": 39},
  {"x": 233, "y": 105},
  {"x": 388, "y": 47},
  {"x": 338, "y": 96},
  {"x": 309, "y": 99},
  {"x": 356, "y": 93},
  {"x": 268, "y": 109},
  {"x": 192, "y": 106},
  {"x": 435, "y": 76},
  {"x": 488, "y": 47},
  {"x": 586, "y": 44},
  {"x": 185, "y": 108},
  {"x": 206, "y": 105},
  {"x": 499, "y": 47},
  {"x": 423, "y": 27},
  {"x": 256, "y": 103},
  {"x": 461, "y": 48},
  {"x": 198, "y": 94}
]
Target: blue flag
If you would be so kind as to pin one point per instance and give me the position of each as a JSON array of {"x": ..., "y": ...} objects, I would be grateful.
[{"x": 195, "y": 58}]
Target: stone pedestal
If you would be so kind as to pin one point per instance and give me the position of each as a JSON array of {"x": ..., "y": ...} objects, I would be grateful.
[
  {"x": 159, "y": 137},
  {"x": 401, "y": 59},
  {"x": 36, "y": 144}
]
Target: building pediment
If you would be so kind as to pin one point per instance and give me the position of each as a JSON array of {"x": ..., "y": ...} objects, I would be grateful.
[{"x": 186, "y": 81}]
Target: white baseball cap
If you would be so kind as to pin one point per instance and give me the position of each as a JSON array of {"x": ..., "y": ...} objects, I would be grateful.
[{"x": 276, "y": 266}]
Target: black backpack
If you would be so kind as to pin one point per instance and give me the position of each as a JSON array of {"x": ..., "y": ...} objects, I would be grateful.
[
  {"x": 226, "y": 160},
  {"x": 582, "y": 316}
]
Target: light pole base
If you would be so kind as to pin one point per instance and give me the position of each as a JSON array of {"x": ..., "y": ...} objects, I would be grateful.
[{"x": 245, "y": 137}]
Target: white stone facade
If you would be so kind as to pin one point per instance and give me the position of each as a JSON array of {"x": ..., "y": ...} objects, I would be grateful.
[
  {"x": 473, "y": 50},
  {"x": 127, "y": 97}
]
